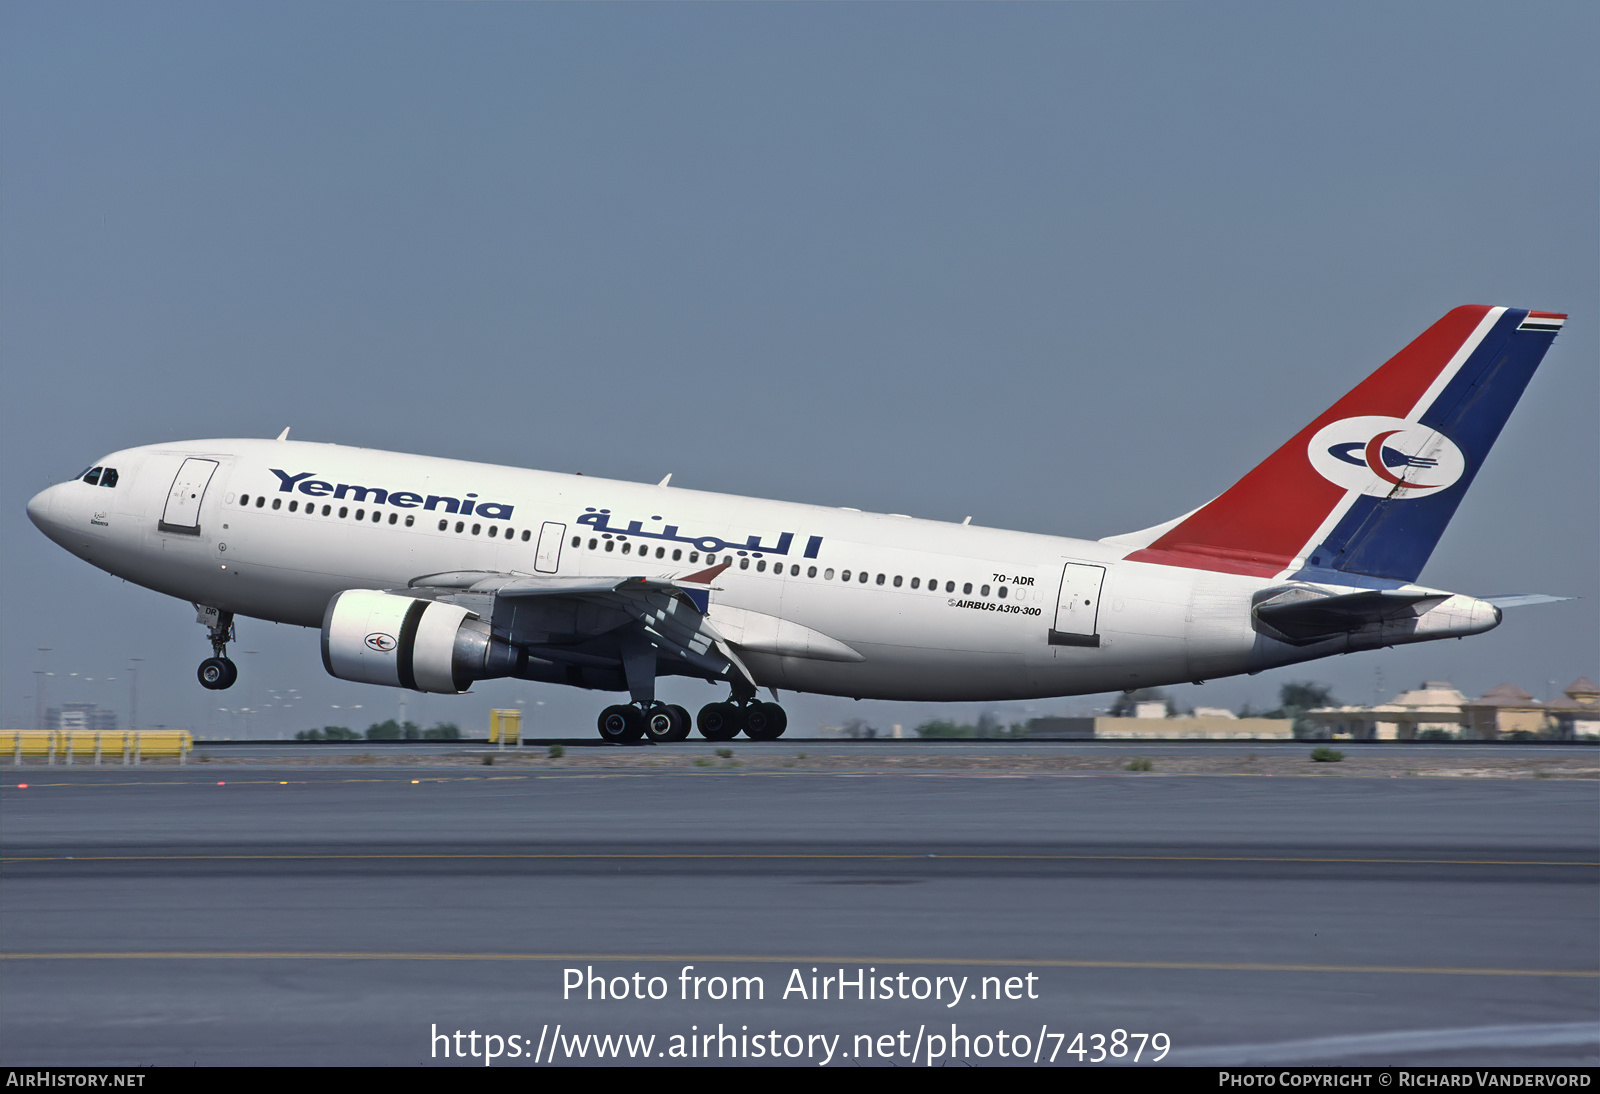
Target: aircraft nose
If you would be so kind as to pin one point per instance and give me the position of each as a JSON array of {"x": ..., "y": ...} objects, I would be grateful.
[{"x": 41, "y": 508}]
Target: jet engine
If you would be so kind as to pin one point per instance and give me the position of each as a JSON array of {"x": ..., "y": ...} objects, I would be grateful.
[{"x": 383, "y": 638}]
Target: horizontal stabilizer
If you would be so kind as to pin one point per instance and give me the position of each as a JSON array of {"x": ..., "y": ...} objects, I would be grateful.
[
  {"x": 1304, "y": 615},
  {"x": 1523, "y": 600}
]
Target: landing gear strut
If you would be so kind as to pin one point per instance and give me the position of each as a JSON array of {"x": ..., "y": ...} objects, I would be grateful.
[{"x": 217, "y": 673}]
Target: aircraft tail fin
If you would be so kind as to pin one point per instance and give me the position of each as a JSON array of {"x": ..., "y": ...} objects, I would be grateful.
[{"x": 1368, "y": 487}]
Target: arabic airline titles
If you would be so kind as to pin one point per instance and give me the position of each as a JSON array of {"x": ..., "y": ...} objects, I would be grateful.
[{"x": 431, "y": 574}]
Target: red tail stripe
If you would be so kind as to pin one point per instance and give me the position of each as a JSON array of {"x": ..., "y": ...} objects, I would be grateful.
[{"x": 1259, "y": 524}]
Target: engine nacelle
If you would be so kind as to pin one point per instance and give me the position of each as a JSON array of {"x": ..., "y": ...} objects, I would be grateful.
[{"x": 381, "y": 638}]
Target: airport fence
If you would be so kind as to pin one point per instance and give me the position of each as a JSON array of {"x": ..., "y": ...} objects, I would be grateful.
[{"x": 66, "y": 746}]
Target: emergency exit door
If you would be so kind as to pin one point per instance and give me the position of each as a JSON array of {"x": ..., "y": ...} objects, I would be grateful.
[
  {"x": 1078, "y": 606},
  {"x": 547, "y": 560}
]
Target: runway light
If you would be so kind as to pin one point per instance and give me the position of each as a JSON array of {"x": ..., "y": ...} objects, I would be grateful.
[
  {"x": 22, "y": 786},
  {"x": 414, "y": 782},
  {"x": 220, "y": 783}
]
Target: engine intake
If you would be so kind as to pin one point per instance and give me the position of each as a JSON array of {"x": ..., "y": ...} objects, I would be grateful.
[{"x": 382, "y": 638}]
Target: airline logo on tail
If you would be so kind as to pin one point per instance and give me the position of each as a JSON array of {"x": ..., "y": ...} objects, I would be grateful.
[
  {"x": 1368, "y": 487},
  {"x": 1386, "y": 457}
]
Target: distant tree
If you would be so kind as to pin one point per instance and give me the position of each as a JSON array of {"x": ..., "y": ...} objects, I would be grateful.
[
  {"x": 328, "y": 733},
  {"x": 1129, "y": 700},
  {"x": 392, "y": 730},
  {"x": 943, "y": 728},
  {"x": 1295, "y": 699},
  {"x": 442, "y": 731},
  {"x": 1305, "y": 695},
  {"x": 857, "y": 728}
]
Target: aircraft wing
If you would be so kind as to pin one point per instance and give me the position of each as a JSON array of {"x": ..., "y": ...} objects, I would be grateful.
[{"x": 594, "y": 620}]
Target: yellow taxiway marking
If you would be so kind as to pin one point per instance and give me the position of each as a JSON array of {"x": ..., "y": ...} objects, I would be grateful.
[{"x": 815, "y": 959}]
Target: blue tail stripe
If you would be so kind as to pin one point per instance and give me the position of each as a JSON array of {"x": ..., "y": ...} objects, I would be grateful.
[{"x": 1388, "y": 538}]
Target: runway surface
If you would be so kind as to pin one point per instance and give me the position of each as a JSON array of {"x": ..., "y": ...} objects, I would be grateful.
[{"x": 333, "y": 915}]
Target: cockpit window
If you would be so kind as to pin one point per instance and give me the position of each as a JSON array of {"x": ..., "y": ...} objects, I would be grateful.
[
  {"x": 92, "y": 476},
  {"x": 108, "y": 477}
]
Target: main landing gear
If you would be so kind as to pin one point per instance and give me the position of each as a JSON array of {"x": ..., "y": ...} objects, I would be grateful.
[
  {"x": 657, "y": 721},
  {"x": 645, "y": 716},
  {"x": 760, "y": 721},
  {"x": 718, "y": 721},
  {"x": 217, "y": 673}
]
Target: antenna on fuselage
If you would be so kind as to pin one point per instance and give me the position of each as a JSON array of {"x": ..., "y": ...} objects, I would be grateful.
[
  {"x": 666, "y": 480},
  {"x": 284, "y": 435}
]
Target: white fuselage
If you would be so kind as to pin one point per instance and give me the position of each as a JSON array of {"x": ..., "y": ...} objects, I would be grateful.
[{"x": 984, "y": 634}]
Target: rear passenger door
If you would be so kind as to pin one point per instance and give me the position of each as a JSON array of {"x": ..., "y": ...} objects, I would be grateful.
[{"x": 1078, "y": 606}]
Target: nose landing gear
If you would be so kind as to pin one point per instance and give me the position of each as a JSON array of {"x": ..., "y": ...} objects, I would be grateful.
[{"x": 216, "y": 672}]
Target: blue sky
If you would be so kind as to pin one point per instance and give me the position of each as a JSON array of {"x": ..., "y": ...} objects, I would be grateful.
[{"x": 1065, "y": 268}]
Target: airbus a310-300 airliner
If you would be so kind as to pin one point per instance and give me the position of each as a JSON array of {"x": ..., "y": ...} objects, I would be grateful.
[{"x": 431, "y": 574}]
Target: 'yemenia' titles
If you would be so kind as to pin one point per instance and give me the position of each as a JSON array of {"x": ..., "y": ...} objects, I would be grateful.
[{"x": 400, "y": 499}]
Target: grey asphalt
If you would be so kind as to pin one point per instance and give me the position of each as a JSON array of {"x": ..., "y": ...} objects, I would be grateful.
[{"x": 319, "y": 916}]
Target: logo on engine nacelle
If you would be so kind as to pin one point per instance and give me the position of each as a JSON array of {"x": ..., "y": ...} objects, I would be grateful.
[{"x": 383, "y": 643}]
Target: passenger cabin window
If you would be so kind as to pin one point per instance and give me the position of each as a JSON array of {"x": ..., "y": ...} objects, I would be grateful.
[{"x": 277, "y": 503}]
